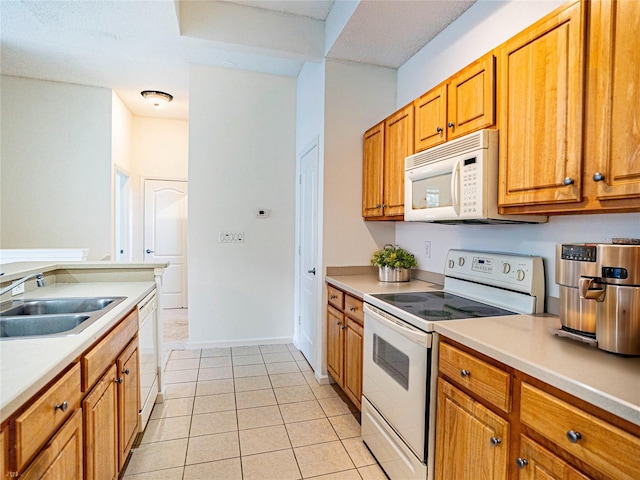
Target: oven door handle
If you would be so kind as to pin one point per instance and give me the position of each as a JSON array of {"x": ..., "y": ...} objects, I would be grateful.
[
  {"x": 455, "y": 188},
  {"x": 404, "y": 329}
]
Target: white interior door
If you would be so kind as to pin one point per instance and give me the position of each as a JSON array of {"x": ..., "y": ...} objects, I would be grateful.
[
  {"x": 309, "y": 271},
  {"x": 165, "y": 236}
]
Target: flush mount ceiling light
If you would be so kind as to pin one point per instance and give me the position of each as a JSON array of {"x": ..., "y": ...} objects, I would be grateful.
[{"x": 156, "y": 97}]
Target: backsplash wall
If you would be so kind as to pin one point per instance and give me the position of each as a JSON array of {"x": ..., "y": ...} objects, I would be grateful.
[{"x": 534, "y": 239}]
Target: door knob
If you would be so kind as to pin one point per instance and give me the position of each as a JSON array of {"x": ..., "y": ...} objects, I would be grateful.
[
  {"x": 313, "y": 270},
  {"x": 149, "y": 251}
]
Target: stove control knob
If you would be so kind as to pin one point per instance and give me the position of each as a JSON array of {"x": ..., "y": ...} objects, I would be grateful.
[
  {"x": 452, "y": 264},
  {"x": 506, "y": 268},
  {"x": 461, "y": 261},
  {"x": 520, "y": 275}
]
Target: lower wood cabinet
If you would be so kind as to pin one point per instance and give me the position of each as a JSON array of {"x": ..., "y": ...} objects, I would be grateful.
[
  {"x": 472, "y": 441},
  {"x": 543, "y": 433},
  {"x": 82, "y": 426},
  {"x": 345, "y": 328},
  {"x": 100, "y": 409},
  {"x": 61, "y": 458}
]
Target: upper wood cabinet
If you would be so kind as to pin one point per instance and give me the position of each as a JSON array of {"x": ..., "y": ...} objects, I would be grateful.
[
  {"x": 385, "y": 147},
  {"x": 540, "y": 106},
  {"x": 615, "y": 62},
  {"x": 373, "y": 171},
  {"x": 461, "y": 105}
]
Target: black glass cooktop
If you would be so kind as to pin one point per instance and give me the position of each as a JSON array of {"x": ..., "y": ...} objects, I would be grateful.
[{"x": 438, "y": 306}]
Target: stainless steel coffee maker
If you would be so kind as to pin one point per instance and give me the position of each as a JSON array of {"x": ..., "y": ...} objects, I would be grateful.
[
  {"x": 577, "y": 315},
  {"x": 600, "y": 294},
  {"x": 615, "y": 291}
]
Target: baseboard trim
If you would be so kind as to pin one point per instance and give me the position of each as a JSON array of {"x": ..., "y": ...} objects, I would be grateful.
[{"x": 246, "y": 342}]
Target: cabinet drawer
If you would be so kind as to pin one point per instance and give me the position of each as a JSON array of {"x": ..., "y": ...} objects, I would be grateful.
[
  {"x": 353, "y": 308},
  {"x": 606, "y": 448},
  {"x": 335, "y": 297},
  {"x": 45, "y": 415},
  {"x": 488, "y": 382},
  {"x": 105, "y": 352}
]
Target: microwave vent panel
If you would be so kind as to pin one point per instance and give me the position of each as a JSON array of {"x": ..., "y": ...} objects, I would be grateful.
[{"x": 468, "y": 143}]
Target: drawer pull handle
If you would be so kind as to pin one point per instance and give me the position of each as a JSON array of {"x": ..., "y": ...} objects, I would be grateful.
[
  {"x": 495, "y": 441},
  {"x": 353, "y": 309},
  {"x": 119, "y": 380},
  {"x": 64, "y": 406},
  {"x": 126, "y": 371},
  {"x": 521, "y": 462},
  {"x": 333, "y": 297},
  {"x": 464, "y": 373},
  {"x": 573, "y": 437}
]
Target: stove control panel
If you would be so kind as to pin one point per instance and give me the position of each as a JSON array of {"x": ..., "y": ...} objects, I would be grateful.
[{"x": 521, "y": 273}]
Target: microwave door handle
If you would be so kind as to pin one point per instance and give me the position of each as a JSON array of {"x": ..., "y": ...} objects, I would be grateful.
[{"x": 455, "y": 188}]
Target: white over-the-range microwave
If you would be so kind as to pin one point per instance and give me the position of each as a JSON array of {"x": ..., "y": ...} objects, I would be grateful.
[{"x": 457, "y": 182}]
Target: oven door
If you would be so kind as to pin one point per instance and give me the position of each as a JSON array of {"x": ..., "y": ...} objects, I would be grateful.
[{"x": 396, "y": 371}]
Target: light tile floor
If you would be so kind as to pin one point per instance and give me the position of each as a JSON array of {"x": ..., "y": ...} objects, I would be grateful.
[{"x": 252, "y": 413}]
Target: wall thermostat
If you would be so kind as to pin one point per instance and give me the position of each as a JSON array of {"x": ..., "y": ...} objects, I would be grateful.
[{"x": 262, "y": 213}]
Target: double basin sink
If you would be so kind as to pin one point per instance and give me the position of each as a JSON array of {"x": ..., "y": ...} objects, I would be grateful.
[{"x": 32, "y": 318}]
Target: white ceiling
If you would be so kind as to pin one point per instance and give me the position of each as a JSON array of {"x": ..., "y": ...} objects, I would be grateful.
[{"x": 137, "y": 45}]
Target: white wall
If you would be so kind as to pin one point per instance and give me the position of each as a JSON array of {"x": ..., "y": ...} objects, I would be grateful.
[
  {"x": 357, "y": 96},
  {"x": 483, "y": 27},
  {"x": 241, "y": 156},
  {"x": 55, "y": 166},
  {"x": 159, "y": 150}
]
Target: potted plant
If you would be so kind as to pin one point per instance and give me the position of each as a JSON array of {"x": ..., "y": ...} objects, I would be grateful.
[{"x": 393, "y": 263}]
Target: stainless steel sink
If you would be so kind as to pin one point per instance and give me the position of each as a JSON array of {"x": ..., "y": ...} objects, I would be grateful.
[
  {"x": 48, "y": 306},
  {"x": 33, "y": 318},
  {"x": 38, "y": 325}
]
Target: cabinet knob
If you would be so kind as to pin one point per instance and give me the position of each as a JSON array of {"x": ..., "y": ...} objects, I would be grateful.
[
  {"x": 384, "y": 205},
  {"x": 333, "y": 297},
  {"x": 521, "y": 462},
  {"x": 495, "y": 441},
  {"x": 568, "y": 181},
  {"x": 439, "y": 130},
  {"x": 338, "y": 323},
  {"x": 343, "y": 327},
  {"x": 126, "y": 371},
  {"x": 119, "y": 380},
  {"x": 464, "y": 373},
  {"x": 378, "y": 205},
  {"x": 64, "y": 406},
  {"x": 598, "y": 177},
  {"x": 573, "y": 437},
  {"x": 353, "y": 309},
  {"x": 450, "y": 125}
]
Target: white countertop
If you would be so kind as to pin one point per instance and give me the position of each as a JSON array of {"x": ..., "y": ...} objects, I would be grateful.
[
  {"x": 359, "y": 285},
  {"x": 27, "y": 365},
  {"x": 606, "y": 380},
  {"x": 17, "y": 270}
]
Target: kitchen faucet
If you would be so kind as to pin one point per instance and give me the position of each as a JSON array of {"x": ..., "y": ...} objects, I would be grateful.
[{"x": 40, "y": 281}]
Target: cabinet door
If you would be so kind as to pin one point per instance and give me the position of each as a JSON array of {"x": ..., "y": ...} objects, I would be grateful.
[
  {"x": 398, "y": 144},
  {"x": 128, "y": 399},
  {"x": 540, "y": 111},
  {"x": 61, "y": 458},
  {"x": 373, "y": 171},
  {"x": 471, "y": 98},
  {"x": 101, "y": 429},
  {"x": 616, "y": 26},
  {"x": 472, "y": 441},
  {"x": 353, "y": 361},
  {"x": 431, "y": 118},
  {"x": 538, "y": 463},
  {"x": 335, "y": 344}
]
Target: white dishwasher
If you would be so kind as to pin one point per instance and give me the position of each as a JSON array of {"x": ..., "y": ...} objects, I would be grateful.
[{"x": 148, "y": 355}]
